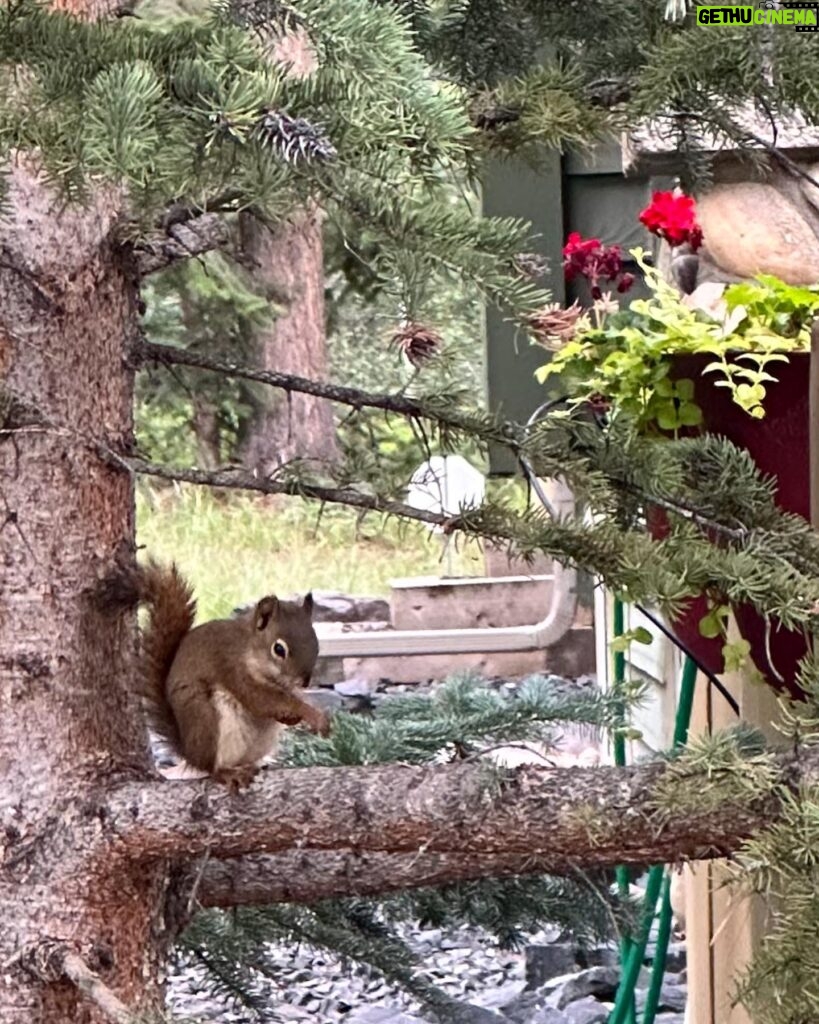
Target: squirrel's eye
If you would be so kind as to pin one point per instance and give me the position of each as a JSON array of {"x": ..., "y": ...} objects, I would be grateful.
[{"x": 280, "y": 649}]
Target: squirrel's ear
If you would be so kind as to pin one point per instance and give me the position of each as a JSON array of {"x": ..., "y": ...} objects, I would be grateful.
[
  {"x": 307, "y": 603},
  {"x": 265, "y": 610}
]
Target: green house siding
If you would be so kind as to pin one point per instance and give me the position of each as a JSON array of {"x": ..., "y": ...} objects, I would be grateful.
[{"x": 513, "y": 189}]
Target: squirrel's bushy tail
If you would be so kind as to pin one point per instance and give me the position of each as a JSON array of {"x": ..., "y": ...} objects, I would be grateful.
[{"x": 172, "y": 610}]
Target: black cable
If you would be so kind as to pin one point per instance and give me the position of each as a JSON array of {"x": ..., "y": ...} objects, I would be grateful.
[{"x": 712, "y": 679}]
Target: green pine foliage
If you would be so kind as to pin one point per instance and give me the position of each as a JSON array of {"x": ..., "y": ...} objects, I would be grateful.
[
  {"x": 459, "y": 720},
  {"x": 210, "y": 306},
  {"x": 189, "y": 110},
  {"x": 233, "y": 951}
]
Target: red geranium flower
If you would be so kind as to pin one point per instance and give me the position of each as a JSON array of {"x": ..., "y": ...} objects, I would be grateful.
[
  {"x": 589, "y": 258},
  {"x": 674, "y": 218}
]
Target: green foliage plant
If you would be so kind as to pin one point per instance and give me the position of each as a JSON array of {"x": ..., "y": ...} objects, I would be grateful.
[{"x": 627, "y": 357}]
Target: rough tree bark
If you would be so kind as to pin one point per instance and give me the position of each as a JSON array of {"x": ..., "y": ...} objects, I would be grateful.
[{"x": 67, "y": 720}]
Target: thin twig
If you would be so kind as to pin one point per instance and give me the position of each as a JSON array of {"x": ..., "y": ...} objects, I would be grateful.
[
  {"x": 95, "y": 989},
  {"x": 50, "y": 961},
  {"x": 737, "y": 132},
  {"x": 197, "y": 882}
]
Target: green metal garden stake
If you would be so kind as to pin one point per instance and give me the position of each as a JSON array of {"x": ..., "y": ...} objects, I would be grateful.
[
  {"x": 632, "y": 957},
  {"x": 621, "y": 873},
  {"x": 681, "y": 725},
  {"x": 624, "y": 1002},
  {"x": 661, "y": 950}
]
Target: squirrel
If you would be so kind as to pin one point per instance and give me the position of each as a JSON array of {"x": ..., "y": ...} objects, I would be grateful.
[{"x": 219, "y": 693}]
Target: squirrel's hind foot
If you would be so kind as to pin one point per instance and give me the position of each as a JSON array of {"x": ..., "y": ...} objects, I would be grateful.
[{"x": 237, "y": 779}]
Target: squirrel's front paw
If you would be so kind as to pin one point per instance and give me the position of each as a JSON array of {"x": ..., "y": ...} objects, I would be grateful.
[{"x": 319, "y": 723}]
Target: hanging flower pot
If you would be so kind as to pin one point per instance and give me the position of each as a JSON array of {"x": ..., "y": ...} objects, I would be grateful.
[{"x": 707, "y": 650}]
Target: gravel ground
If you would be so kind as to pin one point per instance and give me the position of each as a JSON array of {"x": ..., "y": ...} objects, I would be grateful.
[{"x": 465, "y": 963}]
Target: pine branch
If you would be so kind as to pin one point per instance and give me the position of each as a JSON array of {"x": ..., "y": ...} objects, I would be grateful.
[
  {"x": 487, "y": 428},
  {"x": 180, "y": 241},
  {"x": 303, "y": 877},
  {"x": 773, "y": 568},
  {"x": 240, "y": 480},
  {"x": 745, "y": 138},
  {"x": 353, "y": 932},
  {"x": 566, "y": 819},
  {"x": 181, "y": 213},
  {"x": 464, "y": 716}
]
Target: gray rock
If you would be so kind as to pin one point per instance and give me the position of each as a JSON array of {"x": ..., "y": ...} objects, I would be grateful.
[
  {"x": 324, "y": 699},
  {"x": 382, "y": 1015},
  {"x": 551, "y": 988},
  {"x": 586, "y": 1011},
  {"x": 673, "y": 997},
  {"x": 670, "y": 1018},
  {"x": 546, "y": 962},
  {"x": 675, "y": 959},
  {"x": 598, "y": 956},
  {"x": 468, "y": 1013},
  {"x": 333, "y": 606},
  {"x": 600, "y": 982},
  {"x": 548, "y": 1015},
  {"x": 522, "y": 1009},
  {"x": 356, "y": 687},
  {"x": 293, "y": 1013}
]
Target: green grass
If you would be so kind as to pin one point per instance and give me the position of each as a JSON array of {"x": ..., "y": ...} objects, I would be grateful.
[{"x": 234, "y": 549}]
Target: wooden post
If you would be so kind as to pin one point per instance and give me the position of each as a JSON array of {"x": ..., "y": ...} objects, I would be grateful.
[{"x": 723, "y": 927}]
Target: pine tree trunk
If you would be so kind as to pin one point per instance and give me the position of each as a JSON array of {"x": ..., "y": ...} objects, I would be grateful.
[
  {"x": 288, "y": 263},
  {"x": 68, "y": 723},
  {"x": 205, "y": 425},
  {"x": 205, "y": 417}
]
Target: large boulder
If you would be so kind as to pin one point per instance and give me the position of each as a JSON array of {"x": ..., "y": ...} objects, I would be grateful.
[{"x": 751, "y": 227}]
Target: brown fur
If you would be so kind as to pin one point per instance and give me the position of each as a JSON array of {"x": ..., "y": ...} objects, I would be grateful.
[{"x": 216, "y": 692}]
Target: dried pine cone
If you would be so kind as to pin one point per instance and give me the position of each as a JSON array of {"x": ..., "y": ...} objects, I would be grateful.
[
  {"x": 295, "y": 138},
  {"x": 417, "y": 342},
  {"x": 553, "y": 325}
]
